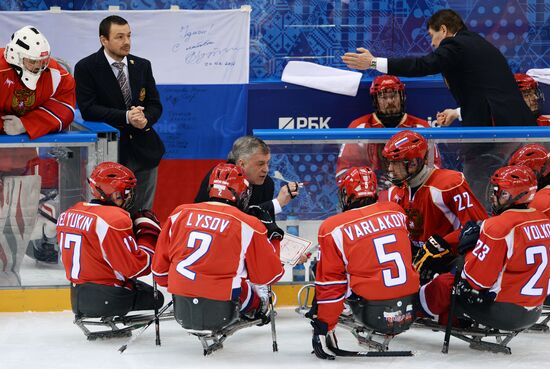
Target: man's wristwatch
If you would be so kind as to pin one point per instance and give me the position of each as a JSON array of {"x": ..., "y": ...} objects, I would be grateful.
[{"x": 373, "y": 63}]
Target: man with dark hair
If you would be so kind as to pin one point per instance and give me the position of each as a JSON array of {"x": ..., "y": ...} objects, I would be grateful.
[
  {"x": 118, "y": 88},
  {"x": 388, "y": 100},
  {"x": 485, "y": 91}
]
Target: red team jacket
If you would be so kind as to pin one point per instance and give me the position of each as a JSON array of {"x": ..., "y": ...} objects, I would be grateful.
[
  {"x": 369, "y": 154},
  {"x": 367, "y": 250},
  {"x": 440, "y": 206},
  {"x": 541, "y": 201},
  {"x": 49, "y": 108},
  {"x": 98, "y": 245},
  {"x": 511, "y": 257},
  {"x": 205, "y": 249}
]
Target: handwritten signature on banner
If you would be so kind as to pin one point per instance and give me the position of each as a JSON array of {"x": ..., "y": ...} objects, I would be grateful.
[{"x": 198, "y": 46}]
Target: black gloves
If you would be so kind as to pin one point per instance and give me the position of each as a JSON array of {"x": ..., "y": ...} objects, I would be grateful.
[
  {"x": 433, "y": 258},
  {"x": 273, "y": 230},
  {"x": 320, "y": 328},
  {"x": 468, "y": 237},
  {"x": 473, "y": 296},
  {"x": 435, "y": 248}
]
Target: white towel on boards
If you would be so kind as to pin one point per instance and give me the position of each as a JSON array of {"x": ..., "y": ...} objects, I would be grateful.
[
  {"x": 540, "y": 75},
  {"x": 322, "y": 78}
]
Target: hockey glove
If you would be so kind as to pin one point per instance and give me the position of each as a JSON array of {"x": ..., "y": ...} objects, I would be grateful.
[
  {"x": 435, "y": 248},
  {"x": 273, "y": 230},
  {"x": 146, "y": 227},
  {"x": 468, "y": 237},
  {"x": 320, "y": 328},
  {"x": 473, "y": 296}
]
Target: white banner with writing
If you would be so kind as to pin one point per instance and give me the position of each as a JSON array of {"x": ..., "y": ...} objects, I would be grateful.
[{"x": 184, "y": 46}]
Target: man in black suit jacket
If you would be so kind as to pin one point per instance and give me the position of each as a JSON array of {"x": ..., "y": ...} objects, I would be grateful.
[
  {"x": 475, "y": 71},
  {"x": 102, "y": 95},
  {"x": 253, "y": 155}
]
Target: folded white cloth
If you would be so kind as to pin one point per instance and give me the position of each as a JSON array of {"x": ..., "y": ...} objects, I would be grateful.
[
  {"x": 322, "y": 78},
  {"x": 540, "y": 75}
]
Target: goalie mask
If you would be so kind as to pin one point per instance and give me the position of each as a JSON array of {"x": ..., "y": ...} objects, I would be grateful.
[
  {"x": 407, "y": 147},
  {"x": 228, "y": 184},
  {"x": 357, "y": 187},
  {"x": 388, "y": 99},
  {"x": 29, "y": 53},
  {"x": 533, "y": 96},
  {"x": 534, "y": 156},
  {"x": 113, "y": 183},
  {"x": 511, "y": 186}
]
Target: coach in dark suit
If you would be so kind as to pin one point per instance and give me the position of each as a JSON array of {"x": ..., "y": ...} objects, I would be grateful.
[
  {"x": 475, "y": 71},
  {"x": 253, "y": 155},
  {"x": 118, "y": 88}
]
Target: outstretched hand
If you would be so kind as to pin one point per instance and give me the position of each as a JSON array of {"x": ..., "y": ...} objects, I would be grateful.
[{"x": 360, "y": 60}]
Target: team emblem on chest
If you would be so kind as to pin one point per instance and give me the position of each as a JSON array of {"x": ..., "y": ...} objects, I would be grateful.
[{"x": 23, "y": 100}]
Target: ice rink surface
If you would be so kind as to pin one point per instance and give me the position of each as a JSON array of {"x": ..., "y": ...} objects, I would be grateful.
[{"x": 51, "y": 340}]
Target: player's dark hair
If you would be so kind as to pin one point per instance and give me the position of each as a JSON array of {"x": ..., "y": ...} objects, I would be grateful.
[
  {"x": 105, "y": 25},
  {"x": 447, "y": 17}
]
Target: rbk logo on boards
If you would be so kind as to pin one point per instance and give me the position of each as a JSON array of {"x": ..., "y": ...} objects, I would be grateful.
[{"x": 303, "y": 122}]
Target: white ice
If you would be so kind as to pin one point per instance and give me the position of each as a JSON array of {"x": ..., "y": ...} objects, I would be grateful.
[{"x": 51, "y": 340}]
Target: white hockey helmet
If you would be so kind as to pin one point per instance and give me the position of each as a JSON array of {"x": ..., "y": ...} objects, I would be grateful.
[{"x": 29, "y": 53}]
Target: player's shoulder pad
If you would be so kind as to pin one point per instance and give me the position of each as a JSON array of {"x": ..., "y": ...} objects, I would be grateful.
[{"x": 116, "y": 217}]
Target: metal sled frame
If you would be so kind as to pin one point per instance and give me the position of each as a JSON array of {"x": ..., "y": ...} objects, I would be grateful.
[
  {"x": 218, "y": 337},
  {"x": 119, "y": 326},
  {"x": 304, "y": 294},
  {"x": 366, "y": 336},
  {"x": 475, "y": 335}
]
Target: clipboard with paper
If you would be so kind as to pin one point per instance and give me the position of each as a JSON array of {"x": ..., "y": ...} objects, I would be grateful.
[{"x": 292, "y": 247}]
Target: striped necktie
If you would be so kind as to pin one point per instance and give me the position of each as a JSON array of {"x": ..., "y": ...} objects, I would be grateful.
[{"x": 123, "y": 83}]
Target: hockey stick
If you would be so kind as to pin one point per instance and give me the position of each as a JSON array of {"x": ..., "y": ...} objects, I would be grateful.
[
  {"x": 333, "y": 346},
  {"x": 157, "y": 322},
  {"x": 272, "y": 318},
  {"x": 135, "y": 336},
  {"x": 452, "y": 307}
]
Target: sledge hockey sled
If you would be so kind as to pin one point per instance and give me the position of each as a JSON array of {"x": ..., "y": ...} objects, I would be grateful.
[
  {"x": 115, "y": 326},
  {"x": 363, "y": 325},
  {"x": 211, "y": 321},
  {"x": 475, "y": 335}
]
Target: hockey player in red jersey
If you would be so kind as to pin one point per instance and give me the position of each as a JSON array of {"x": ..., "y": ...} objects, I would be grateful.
[
  {"x": 437, "y": 201},
  {"x": 104, "y": 251},
  {"x": 536, "y": 157},
  {"x": 37, "y": 95},
  {"x": 217, "y": 255},
  {"x": 388, "y": 100},
  {"x": 533, "y": 96},
  {"x": 365, "y": 256},
  {"x": 505, "y": 276}
]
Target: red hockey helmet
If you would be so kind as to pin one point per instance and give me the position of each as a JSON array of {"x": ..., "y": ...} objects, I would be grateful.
[
  {"x": 355, "y": 184},
  {"x": 112, "y": 181},
  {"x": 379, "y": 86},
  {"x": 531, "y": 92},
  {"x": 386, "y": 82},
  {"x": 406, "y": 145},
  {"x": 511, "y": 185},
  {"x": 228, "y": 183},
  {"x": 525, "y": 82},
  {"x": 534, "y": 156}
]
